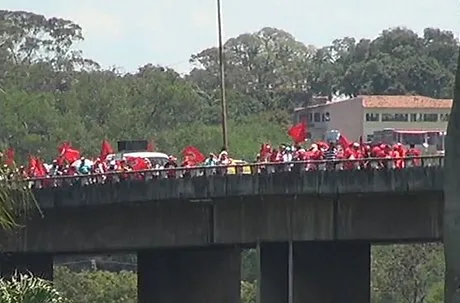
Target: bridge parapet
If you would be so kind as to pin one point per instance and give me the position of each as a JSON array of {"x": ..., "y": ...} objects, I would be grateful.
[{"x": 215, "y": 187}]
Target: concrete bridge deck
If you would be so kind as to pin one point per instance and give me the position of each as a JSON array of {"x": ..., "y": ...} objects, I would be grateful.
[
  {"x": 313, "y": 231},
  {"x": 374, "y": 205}
]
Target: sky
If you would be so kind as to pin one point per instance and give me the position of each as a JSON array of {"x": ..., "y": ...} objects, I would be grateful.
[{"x": 130, "y": 33}]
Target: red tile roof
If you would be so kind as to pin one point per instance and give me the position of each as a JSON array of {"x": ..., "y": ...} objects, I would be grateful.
[{"x": 405, "y": 102}]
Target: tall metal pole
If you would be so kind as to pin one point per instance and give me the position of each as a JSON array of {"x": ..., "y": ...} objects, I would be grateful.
[{"x": 222, "y": 77}]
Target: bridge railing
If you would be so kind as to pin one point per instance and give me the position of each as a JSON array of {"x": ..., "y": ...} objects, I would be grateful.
[{"x": 299, "y": 167}]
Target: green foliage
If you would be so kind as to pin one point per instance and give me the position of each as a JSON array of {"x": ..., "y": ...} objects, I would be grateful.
[
  {"x": 28, "y": 289},
  {"x": 249, "y": 267},
  {"x": 406, "y": 273},
  {"x": 96, "y": 286},
  {"x": 16, "y": 200},
  {"x": 248, "y": 292},
  {"x": 50, "y": 93},
  {"x": 113, "y": 287},
  {"x": 436, "y": 293}
]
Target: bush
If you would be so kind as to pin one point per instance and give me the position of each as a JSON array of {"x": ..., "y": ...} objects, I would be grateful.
[{"x": 28, "y": 289}]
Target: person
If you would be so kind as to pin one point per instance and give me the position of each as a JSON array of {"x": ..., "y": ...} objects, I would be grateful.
[
  {"x": 55, "y": 169},
  {"x": 170, "y": 166},
  {"x": 413, "y": 152},
  {"x": 211, "y": 161},
  {"x": 331, "y": 155},
  {"x": 224, "y": 159},
  {"x": 83, "y": 168}
]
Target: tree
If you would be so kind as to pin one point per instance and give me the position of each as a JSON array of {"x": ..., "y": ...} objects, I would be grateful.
[
  {"x": 248, "y": 292},
  {"x": 28, "y": 289},
  {"x": 406, "y": 273},
  {"x": 97, "y": 286},
  {"x": 397, "y": 62},
  {"x": 31, "y": 38},
  {"x": 264, "y": 65}
]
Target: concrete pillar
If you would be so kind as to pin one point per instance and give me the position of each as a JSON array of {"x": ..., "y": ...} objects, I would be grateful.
[
  {"x": 40, "y": 265},
  {"x": 322, "y": 272},
  {"x": 194, "y": 276},
  {"x": 274, "y": 272}
]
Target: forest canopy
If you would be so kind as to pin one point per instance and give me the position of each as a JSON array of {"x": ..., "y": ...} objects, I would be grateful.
[{"x": 50, "y": 92}]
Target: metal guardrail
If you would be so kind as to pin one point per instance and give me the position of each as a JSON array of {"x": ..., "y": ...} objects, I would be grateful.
[{"x": 237, "y": 169}]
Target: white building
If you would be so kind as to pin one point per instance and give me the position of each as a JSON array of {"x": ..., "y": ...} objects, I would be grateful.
[{"x": 362, "y": 115}]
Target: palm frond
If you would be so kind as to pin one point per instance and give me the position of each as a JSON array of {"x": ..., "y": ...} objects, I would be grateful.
[
  {"x": 17, "y": 200},
  {"x": 23, "y": 288}
]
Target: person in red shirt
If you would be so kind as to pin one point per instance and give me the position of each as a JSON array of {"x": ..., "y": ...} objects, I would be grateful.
[
  {"x": 415, "y": 153},
  {"x": 402, "y": 154},
  {"x": 313, "y": 154},
  {"x": 396, "y": 155},
  {"x": 378, "y": 151},
  {"x": 353, "y": 152}
]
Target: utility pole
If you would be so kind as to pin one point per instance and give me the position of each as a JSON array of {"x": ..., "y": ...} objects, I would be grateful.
[{"x": 222, "y": 78}]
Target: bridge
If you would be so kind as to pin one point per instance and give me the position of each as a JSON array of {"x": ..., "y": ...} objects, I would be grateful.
[{"x": 313, "y": 229}]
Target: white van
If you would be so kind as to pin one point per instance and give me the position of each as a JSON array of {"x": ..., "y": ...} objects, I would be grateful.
[{"x": 157, "y": 159}]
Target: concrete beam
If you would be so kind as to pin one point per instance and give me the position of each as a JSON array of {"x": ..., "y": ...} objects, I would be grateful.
[
  {"x": 385, "y": 217},
  {"x": 206, "y": 275},
  {"x": 40, "y": 265},
  {"x": 322, "y": 272},
  {"x": 272, "y": 219},
  {"x": 390, "y": 217}
]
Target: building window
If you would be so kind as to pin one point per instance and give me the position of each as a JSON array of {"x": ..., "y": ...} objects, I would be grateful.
[
  {"x": 310, "y": 117},
  {"x": 445, "y": 117},
  {"x": 424, "y": 117},
  {"x": 415, "y": 117},
  {"x": 326, "y": 117},
  {"x": 302, "y": 118},
  {"x": 370, "y": 138},
  {"x": 317, "y": 117},
  {"x": 395, "y": 117},
  {"x": 372, "y": 117},
  {"x": 430, "y": 117}
]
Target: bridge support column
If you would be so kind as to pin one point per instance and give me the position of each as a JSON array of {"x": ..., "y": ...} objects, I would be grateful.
[
  {"x": 40, "y": 265},
  {"x": 193, "y": 276},
  {"x": 320, "y": 272}
]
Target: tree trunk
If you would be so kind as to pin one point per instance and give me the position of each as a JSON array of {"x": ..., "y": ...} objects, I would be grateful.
[{"x": 452, "y": 200}]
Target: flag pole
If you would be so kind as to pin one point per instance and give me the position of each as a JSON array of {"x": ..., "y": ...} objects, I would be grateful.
[{"x": 222, "y": 77}]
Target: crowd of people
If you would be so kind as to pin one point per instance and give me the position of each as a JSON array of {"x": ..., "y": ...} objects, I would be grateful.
[{"x": 70, "y": 166}]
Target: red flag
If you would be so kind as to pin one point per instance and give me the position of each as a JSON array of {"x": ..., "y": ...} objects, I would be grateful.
[
  {"x": 67, "y": 153},
  {"x": 137, "y": 163},
  {"x": 36, "y": 167},
  {"x": 344, "y": 141},
  {"x": 9, "y": 157},
  {"x": 106, "y": 149},
  {"x": 41, "y": 169},
  {"x": 62, "y": 148},
  {"x": 32, "y": 165},
  {"x": 298, "y": 132},
  {"x": 193, "y": 154}
]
